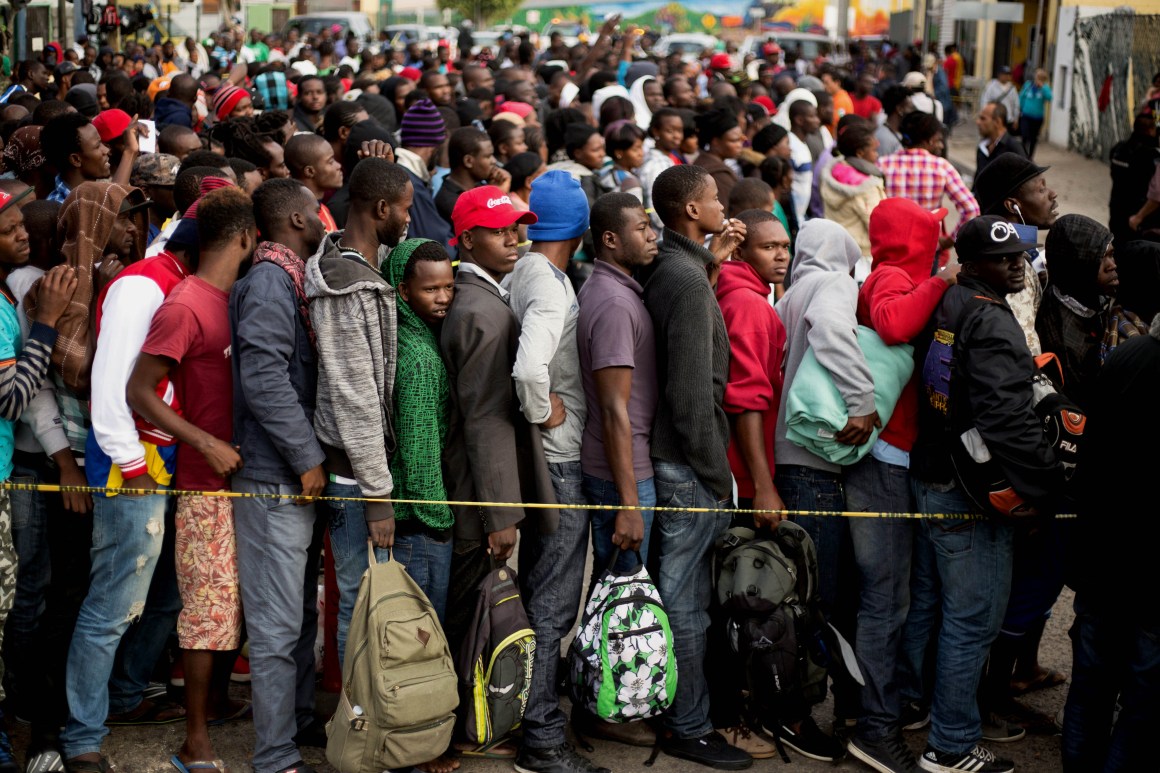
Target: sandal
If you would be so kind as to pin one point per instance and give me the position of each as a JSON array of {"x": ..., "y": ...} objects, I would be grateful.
[
  {"x": 89, "y": 766},
  {"x": 187, "y": 767},
  {"x": 502, "y": 749},
  {"x": 148, "y": 712},
  {"x": 1043, "y": 679},
  {"x": 245, "y": 711}
]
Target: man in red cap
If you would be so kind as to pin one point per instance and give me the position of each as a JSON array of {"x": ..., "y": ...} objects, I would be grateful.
[
  {"x": 493, "y": 454},
  {"x": 114, "y": 127}
]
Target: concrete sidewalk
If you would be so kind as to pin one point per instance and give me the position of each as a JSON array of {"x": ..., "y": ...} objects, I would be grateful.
[{"x": 147, "y": 749}]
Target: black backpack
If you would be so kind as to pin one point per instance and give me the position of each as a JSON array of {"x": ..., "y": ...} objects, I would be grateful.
[
  {"x": 978, "y": 473},
  {"x": 768, "y": 589},
  {"x": 495, "y": 661}
]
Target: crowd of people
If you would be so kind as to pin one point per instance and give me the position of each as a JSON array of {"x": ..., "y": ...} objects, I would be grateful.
[{"x": 301, "y": 267}]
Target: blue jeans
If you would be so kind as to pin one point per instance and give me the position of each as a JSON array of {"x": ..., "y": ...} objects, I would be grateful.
[
  {"x": 552, "y": 579},
  {"x": 964, "y": 566},
  {"x": 598, "y": 491},
  {"x": 882, "y": 550},
  {"x": 1113, "y": 654},
  {"x": 279, "y": 544},
  {"x": 34, "y": 571},
  {"x": 127, "y": 537},
  {"x": 808, "y": 488},
  {"x": 427, "y": 560},
  {"x": 684, "y": 549},
  {"x": 805, "y": 488},
  {"x": 145, "y": 641}
]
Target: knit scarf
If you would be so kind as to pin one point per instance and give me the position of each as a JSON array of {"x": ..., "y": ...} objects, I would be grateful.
[
  {"x": 286, "y": 259},
  {"x": 863, "y": 166}
]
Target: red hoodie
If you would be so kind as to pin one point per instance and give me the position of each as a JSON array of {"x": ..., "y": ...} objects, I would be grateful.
[
  {"x": 756, "y": 349},
  {"x": 899, "y": 296}
]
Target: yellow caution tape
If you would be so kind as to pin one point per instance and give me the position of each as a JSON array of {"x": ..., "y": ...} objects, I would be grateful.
[{"x": 52, "y": 488}]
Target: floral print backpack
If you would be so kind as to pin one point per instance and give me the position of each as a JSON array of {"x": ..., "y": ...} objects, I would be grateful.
[{"x": 622, "y": 661}]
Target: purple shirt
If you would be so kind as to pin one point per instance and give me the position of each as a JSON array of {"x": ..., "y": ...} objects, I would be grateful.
[{"x": 615, "y": 330}]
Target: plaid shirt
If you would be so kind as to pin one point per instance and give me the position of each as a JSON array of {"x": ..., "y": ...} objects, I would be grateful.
[
  {"x": 923, "y": 177},
  {"x": 60, "y": 192}
]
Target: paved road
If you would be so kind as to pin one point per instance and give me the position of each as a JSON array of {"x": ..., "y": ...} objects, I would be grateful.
[{"x": 1083, "y": 187}]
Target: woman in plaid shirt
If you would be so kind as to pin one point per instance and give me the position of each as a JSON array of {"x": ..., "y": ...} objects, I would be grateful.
[{"x": 921, "y": 174}]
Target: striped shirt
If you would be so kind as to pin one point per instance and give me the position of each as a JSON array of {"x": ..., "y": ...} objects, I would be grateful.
[
  {"x": 923, "y": 177},
  {"x": 22, "y": 372}
]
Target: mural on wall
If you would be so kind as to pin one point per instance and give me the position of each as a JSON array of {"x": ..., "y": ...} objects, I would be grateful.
[
  {"x": 868, "y": 17},
  {"x": 1115, "y": 57}
]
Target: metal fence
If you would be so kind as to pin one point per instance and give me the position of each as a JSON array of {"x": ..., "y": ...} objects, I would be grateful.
[{"x": 1115, "y": 53}]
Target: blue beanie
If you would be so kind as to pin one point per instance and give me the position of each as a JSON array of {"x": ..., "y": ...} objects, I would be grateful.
[{"x": 560, "y": 205}]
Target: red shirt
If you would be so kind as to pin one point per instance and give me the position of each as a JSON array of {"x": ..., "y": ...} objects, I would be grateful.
[
  {"x": 327, "y": 219},
  {"x": 867, "y": 106},
  {"x": 192, "y": 328},
  {"x": 756, "y": 351}
]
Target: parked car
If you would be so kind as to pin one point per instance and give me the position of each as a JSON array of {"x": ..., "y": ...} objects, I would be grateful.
[
  {"x": 688, "y": 44},
  {"x": 426, "y": 36},
  {"x": 313, "y": 23},
  {"x": 572, "y": 31}
]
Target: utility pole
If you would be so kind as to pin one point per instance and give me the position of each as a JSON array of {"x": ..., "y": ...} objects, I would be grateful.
[
  {"x": 62, "y": 26},
  {"x": 843, "y": 30}
]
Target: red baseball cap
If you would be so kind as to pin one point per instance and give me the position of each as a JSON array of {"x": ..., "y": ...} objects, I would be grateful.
[
  {"x": 111, "y": 124},
  {"x": 7, "y": 200},
  {"x": 488, "y": 207},
  {"x": 720, "y": 62}
]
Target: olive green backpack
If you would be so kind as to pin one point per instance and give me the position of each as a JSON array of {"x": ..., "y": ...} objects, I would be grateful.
[{"x": 399, "y": 689}]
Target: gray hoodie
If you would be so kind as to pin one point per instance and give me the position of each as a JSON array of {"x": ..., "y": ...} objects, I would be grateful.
[
  {"x": 352, "y": 310},
  {"x": 819, "y": 311}
]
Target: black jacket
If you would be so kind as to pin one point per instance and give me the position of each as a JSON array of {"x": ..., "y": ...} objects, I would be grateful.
[
  {"x": 1008, "y": 144},
  {"x": 1116, "y": 474},
  {"x": 994, "y": 369}
]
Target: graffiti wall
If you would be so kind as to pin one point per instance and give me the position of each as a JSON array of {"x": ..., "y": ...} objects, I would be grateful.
[
  {"x": 1116, "y": 55},
  {"x": 867, "y": 17}
]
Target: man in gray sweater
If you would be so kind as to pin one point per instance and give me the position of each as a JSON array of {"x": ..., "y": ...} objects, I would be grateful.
[
  {"x": 352, "y": 310},
  {"x": 819, "y": 313},
  {"x": 690, "y": 439},
  {"x": 551, "y": 394}
]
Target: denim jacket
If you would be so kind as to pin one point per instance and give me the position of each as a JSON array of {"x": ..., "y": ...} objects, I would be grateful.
[{"x": 275, "y": 378}]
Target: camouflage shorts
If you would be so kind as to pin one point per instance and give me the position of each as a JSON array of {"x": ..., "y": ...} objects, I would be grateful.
[{"x": 7, "y": 571}]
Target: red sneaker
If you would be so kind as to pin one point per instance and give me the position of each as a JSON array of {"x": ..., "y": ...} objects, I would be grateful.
[
  {"x": 177, "y": 674},
  {"x": 241, "y": 672}
]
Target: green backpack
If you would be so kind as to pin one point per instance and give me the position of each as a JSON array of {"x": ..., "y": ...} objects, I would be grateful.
[
  {"x": 621, "y": 660},
  {"x": 398, "y": 698}
]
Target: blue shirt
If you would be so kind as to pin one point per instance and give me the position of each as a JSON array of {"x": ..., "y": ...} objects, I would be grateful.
[
  {"x": 60, "y": 192},
  {"x": 1033, "y": 100}
]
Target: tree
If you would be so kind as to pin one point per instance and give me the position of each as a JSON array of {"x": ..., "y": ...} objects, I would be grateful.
[{"x": 481, "y": 11}]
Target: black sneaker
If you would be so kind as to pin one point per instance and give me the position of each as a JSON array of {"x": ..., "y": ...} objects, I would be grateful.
[
  {"x": 811, "y": 742},
  {"x": 977, "y": 760},
  {"x": 710, "y": 750},
  {"x": 555, "y": 759},
  {"x": 890, "y": 755},
  {"x": 914, "y": 716},
  {"x": 44, "y": 761}
]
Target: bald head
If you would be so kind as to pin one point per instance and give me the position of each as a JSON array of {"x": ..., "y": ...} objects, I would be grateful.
[
  {"x": 304, "y": 150},
  {"x": 183, "y": 88}
]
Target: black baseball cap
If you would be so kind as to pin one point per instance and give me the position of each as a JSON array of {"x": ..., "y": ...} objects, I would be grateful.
[{"x": 989, "y": 235}]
